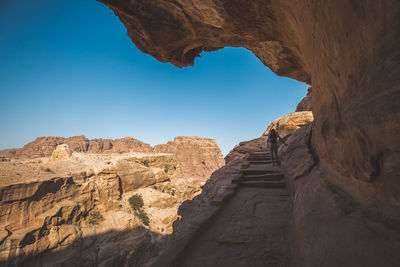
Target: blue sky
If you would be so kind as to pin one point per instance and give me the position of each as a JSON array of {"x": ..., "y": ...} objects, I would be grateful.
[{"x": 69, "y": 68}]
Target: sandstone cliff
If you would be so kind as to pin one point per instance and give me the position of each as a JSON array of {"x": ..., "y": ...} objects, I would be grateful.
[
  {"x": 84, "y": 219},
  {"x": 44, "y": 146},
  {"x": 198, "y": 157},
  {"x": 306, "y": 104},
  {"x": 72, "y": 206}
]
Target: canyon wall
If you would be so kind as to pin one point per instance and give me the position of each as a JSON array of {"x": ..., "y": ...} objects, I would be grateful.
[
  {"x": 44, "y": 146},
  {"x": 347, "y": 50},
  {"x": 85, "y": 219},
  {"x": 73, "y": 207}
]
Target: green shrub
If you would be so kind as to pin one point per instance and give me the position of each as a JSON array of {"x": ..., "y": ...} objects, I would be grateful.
[
  {"x": 136, "y": 202},
  {"x": 47, "y": 170},
  {"x": 142, "y": 215},
  {"x": 146, "y": 163},
  {"x": 95, "y": 217}
]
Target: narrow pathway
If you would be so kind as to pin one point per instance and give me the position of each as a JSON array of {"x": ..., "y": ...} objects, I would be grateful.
[{"x": 252, "y": 228}]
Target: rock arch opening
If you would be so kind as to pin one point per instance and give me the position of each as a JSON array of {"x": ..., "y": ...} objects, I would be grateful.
[{"x": 336, "y": 47}]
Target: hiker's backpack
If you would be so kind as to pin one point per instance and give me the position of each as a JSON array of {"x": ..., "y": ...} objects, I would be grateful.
[{"x": 273, "y": 137}]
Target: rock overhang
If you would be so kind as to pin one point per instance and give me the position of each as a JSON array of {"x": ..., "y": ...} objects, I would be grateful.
[{"x": 346, "y": 50}]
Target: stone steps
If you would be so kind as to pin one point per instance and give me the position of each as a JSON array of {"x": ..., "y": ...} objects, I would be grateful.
[
  {"x": 259, "y": 158},
  {"x": 266, "y": 177},
  {"x": 261, "y": 162},
  {"x": 247, "y": 172},
  {"x": 263, "y": 184},
  {"x": 252, "y": 175},
  {"x": 259, "y": 176}
]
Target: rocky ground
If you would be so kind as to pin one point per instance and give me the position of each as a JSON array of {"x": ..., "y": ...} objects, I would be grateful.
[
  {"x": 252, "y": 228},
  {"x": 250, "y": 231}
]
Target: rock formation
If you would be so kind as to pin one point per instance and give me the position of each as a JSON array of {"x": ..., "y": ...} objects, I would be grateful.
[
  {"x": 242, "y": 150},
  {"x": 62, "y": 152},
  {"x": 76, "y": 202},
  {"x": 44, "y": 146},
  {"x": 347, "y": 50},
  {"x": 290, "y": 123},
  {"x": 87, "y": 213},
  {"x": 305, "y": 104},
  {"x": 198, "y": 157},
  {"x": 343, "y": 168}
]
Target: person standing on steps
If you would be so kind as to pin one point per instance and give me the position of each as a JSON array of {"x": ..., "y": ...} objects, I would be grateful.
[{"x": 272, "y": 143}]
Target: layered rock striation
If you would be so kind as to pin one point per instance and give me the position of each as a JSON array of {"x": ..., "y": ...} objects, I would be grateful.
[
  {"x": 44, "y": 146},
  {"x": 73, "y": 206},
  {"x": 85, "y": 218},
  {"x": 198, "y": 157},
  {"x": 290, "y": 123}
]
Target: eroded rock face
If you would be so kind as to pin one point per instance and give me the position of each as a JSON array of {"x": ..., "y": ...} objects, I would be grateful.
[
  {"x": 178, "y": 31},
  {"x": 84, "y": 219},
  {"x": 44, "y": 146},
  {"x": 198, "y": 157},
  {"x": 62, "y": 152},
  {"x": 327, "y": 222},
  {"x": 347, "y": 50},
  {"x": 290, "y": 123},
  {"x": 73, "y": 207},
  {"x": 306, "y": 104},
  {"x": 243, "y": 149}
]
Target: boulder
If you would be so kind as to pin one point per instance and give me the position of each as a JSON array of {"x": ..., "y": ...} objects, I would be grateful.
[{"x": 290, "y": 123}]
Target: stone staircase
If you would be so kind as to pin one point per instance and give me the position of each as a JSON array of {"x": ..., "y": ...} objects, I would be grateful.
[
  {"x": 258, "y": 172},
  {"x": 257, "y": 183}
]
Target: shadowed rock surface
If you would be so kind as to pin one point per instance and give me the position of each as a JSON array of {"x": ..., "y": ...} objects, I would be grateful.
[
  {"x": 306, "y": 104},
  {"x": 252, "y": 228},
  {"x": 348, "y": 51},
  {"x": 343, "y": 169}
]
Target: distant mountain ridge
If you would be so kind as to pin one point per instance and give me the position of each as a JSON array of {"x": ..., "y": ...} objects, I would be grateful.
[{"x": 199, "y": 157}]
